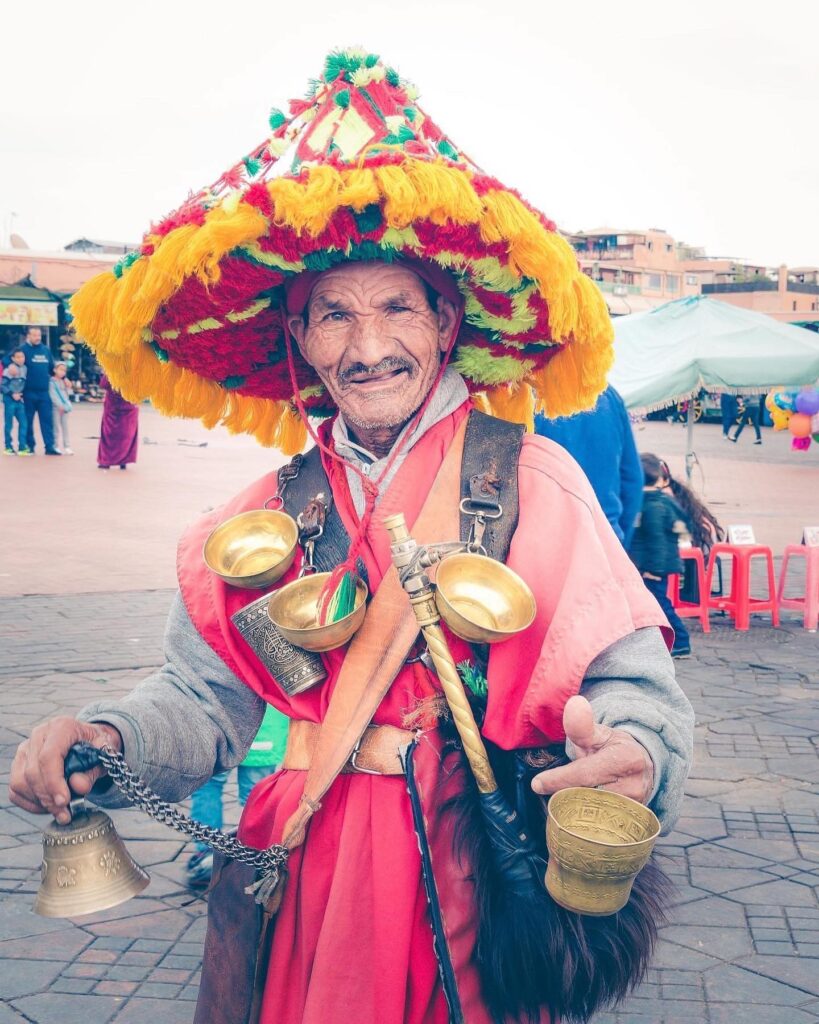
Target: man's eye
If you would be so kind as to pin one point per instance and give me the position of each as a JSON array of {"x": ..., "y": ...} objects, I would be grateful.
[
  {"x": 398, "y": 309},
  {"x": 336, "y": 317}
]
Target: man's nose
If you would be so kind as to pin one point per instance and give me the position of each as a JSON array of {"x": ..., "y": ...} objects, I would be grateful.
[{"x": 369, "y": 343}]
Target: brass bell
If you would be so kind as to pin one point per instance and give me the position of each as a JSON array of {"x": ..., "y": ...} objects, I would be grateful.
[{"x": 85, "y": 867}]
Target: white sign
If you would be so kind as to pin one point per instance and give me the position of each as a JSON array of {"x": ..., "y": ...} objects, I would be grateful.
[
  {"x": 742, "y": 534},
  {"x": 810, "y": 536}
]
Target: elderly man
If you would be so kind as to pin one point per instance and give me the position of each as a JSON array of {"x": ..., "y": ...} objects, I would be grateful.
[{"x": 408, "y": 283}]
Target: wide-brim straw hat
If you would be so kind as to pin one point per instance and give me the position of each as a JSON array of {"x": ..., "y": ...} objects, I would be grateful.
[{"x": 194, "y": 319}]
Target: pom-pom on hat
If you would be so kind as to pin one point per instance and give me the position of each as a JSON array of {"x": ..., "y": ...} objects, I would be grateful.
[{"x": 357, "y": 171}]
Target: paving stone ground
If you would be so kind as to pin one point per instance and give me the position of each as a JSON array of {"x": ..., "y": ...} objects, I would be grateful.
[{"x": 742, "y": 944}]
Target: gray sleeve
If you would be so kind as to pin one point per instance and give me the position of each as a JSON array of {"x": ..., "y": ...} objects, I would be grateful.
[
  {"x": 189, "y": 720},
  {"x": 631, "y": 686}
]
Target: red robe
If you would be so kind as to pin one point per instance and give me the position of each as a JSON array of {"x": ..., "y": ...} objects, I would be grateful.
[{"x": 352, "y": 939}]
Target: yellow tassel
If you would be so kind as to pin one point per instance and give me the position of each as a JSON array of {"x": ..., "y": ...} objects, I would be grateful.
[
  {"x": 481, "y": 403},
  {"x": 359, "y": 188},
  {"x": 91, "y": 308},
  {"x": 292, "y": 435},
  {"x": 515, "y": 403},
  {"x": 401, "y": 198},
  {"x": 444, "y": 193}
]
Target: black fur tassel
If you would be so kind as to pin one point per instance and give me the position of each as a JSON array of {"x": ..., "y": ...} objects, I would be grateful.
[{"x": 531, "y": 954}]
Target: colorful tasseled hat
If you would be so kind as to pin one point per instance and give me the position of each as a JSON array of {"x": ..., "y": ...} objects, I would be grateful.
[{"x": 358, "y": 171}]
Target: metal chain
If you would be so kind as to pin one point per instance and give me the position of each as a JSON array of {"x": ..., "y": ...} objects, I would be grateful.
[{"x": 268, "y": 862}]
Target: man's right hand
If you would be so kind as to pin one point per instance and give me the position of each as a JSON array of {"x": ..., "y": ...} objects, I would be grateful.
[{"x": 37, "y": 782}]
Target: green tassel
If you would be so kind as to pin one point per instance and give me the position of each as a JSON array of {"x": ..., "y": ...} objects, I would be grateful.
[
  {"x": 445, "y": 148},
  {"x": 231, "y": 383},
  {"x": 343, "y": 98},
  {"x": 370, "y": 60},
  {"x": 393, "y": 77},
  {"x": 473, "y": 678},
  {"x": 276, "y": 119},
  {"x": 342, "y": 603},
  {"x": 159, "y": 352},
  {"x": 369, "y": 219},
  {"x": 252, "y": 166},
  {"x": 410, "y": 113},
  {"x": 122, "y": 265}
]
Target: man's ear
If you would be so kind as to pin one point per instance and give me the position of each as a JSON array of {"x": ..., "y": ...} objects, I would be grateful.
[
  {"x": 447, "y": 316},
  {"x": 297, "y": 329}
]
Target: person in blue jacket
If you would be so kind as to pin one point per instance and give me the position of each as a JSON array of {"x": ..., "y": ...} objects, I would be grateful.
[
  {"x": 602, "y": 442},
  {"x": 39, "y": 367}
]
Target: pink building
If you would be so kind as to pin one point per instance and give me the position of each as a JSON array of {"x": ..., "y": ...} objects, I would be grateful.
[{"x": 792, "y": 296}]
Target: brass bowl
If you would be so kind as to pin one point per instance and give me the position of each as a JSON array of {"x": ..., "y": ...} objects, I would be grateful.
[
  {"x": 598, "y": 843},
  {"x": 253, "y": 549},
  {"x": 481, "y": 600},
  {"x": 293, "y": 610}
]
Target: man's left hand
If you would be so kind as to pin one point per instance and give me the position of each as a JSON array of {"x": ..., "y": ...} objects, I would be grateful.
[{"x": 606, "y": 757}]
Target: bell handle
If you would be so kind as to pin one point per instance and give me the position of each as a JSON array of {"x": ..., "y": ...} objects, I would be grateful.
[{"x": 82, "y": 757}]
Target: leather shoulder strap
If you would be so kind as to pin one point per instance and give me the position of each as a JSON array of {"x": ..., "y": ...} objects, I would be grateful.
[
  {"x": 492, "y": 447},
  {"x": 310, "y": 481}
]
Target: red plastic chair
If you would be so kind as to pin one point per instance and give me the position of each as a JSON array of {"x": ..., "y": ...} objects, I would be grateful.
[
  {"x": 739, "y": 604},
  {"x": 809, "y": 601},
  {"x": 691, "y": 609}
]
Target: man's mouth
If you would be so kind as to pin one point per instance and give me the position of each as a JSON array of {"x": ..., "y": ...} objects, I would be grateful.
[{"x": 371, "y": 381}]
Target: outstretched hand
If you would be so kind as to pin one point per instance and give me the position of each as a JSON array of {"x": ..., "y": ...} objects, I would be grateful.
[{"x": 606, "y": 757}]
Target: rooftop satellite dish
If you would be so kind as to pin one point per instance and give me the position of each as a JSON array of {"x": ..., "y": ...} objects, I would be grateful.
[{"x": 17, "y": 242}]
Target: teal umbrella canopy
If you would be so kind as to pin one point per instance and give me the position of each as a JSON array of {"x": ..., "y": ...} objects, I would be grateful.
[{"x": 672, "y": 352}]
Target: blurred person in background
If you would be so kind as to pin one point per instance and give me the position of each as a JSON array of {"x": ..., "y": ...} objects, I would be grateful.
[
  {"x": 39, "y": 368},
  {"x": 602, "y": 442},
  {"x": 59, "y": 390},
  {"x": 119, "y": 430}
]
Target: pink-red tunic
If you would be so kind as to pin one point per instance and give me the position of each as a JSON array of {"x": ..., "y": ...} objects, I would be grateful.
[{"x": 352, "y": 940}]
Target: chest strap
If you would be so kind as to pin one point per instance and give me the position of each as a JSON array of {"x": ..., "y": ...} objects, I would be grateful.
[{"x": 489, "y": 492}]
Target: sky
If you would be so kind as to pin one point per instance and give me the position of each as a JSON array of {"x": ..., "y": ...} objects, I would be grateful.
[{"x": 701, "y": 118}]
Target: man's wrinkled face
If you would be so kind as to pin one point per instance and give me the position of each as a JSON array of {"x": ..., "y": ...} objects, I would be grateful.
[{"x": 374, "y": 340}]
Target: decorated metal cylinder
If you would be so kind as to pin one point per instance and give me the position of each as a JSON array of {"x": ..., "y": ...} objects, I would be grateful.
[
  {"x": 598, "y": 843},
  {"x": 293, "y": 668}
]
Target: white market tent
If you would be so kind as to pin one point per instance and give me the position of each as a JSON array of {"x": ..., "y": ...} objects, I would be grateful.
[{"x": 671, "y": 353}]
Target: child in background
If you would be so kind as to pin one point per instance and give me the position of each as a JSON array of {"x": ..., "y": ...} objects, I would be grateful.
[
  {"x": 59, "y": 391},
  {"x": 655, "y": 546},
  {"x": 14, "y": 408},
  {"x": 265, "y": 755}
]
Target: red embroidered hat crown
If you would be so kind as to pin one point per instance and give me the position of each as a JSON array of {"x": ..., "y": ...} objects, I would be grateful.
[{"x": 357, "y": 171}]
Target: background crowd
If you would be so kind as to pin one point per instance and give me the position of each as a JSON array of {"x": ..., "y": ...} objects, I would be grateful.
[{"x": 35, "y": 386}]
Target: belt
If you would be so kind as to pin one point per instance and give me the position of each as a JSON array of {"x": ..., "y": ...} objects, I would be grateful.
[{"x": 376, "y": 753}]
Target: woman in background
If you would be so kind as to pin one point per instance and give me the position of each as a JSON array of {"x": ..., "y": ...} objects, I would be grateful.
[{"x": 119, "y": 430}]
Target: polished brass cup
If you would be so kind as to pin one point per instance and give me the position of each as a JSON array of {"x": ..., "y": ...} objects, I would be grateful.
[
  {"x": 253, "y": 549},
  {"x": 293, "y": 610},
  {"x": 598, "y": 843},
  {"x": 85, "y": 868},
  {"x": 482, "y": 600}
]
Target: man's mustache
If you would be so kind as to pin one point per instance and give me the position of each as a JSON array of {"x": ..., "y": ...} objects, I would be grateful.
[{"x": 388, "y": 365}]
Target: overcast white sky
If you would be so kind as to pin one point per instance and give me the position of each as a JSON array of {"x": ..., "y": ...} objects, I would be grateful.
[{"x": 698, "y": 117}]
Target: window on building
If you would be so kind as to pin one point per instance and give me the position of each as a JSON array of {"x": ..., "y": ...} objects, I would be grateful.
[
  {"x": 672, "y": 282},
  {"x": 654, "y": 281},
  {"x": 669, "y": 247},
  {"x": 649, "y": 245},
  {"x": 794, "y": 305},
  {"x": 690, "y": 278}
]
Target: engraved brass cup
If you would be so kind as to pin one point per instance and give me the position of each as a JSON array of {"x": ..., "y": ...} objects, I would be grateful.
[
  {"x": 598, "y": 843},
  {"x": 253, "y": 549},
  {"x": 85, "y": 868},
  {"x": 482, "y": 600},
  {"x": 293, "y": 610}
]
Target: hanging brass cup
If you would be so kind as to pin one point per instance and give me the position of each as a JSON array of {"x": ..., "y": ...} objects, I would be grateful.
[
  {"x": 253, "y": 549},
  {"x": 293, "y": 610},
  {"x": 482, "y": 600},
  {"x": 85, "y": 868},
  {"x": 598, "y": 843}
]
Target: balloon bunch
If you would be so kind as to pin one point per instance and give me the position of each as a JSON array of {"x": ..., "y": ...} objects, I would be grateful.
[{"x": 798, "y": 412}]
